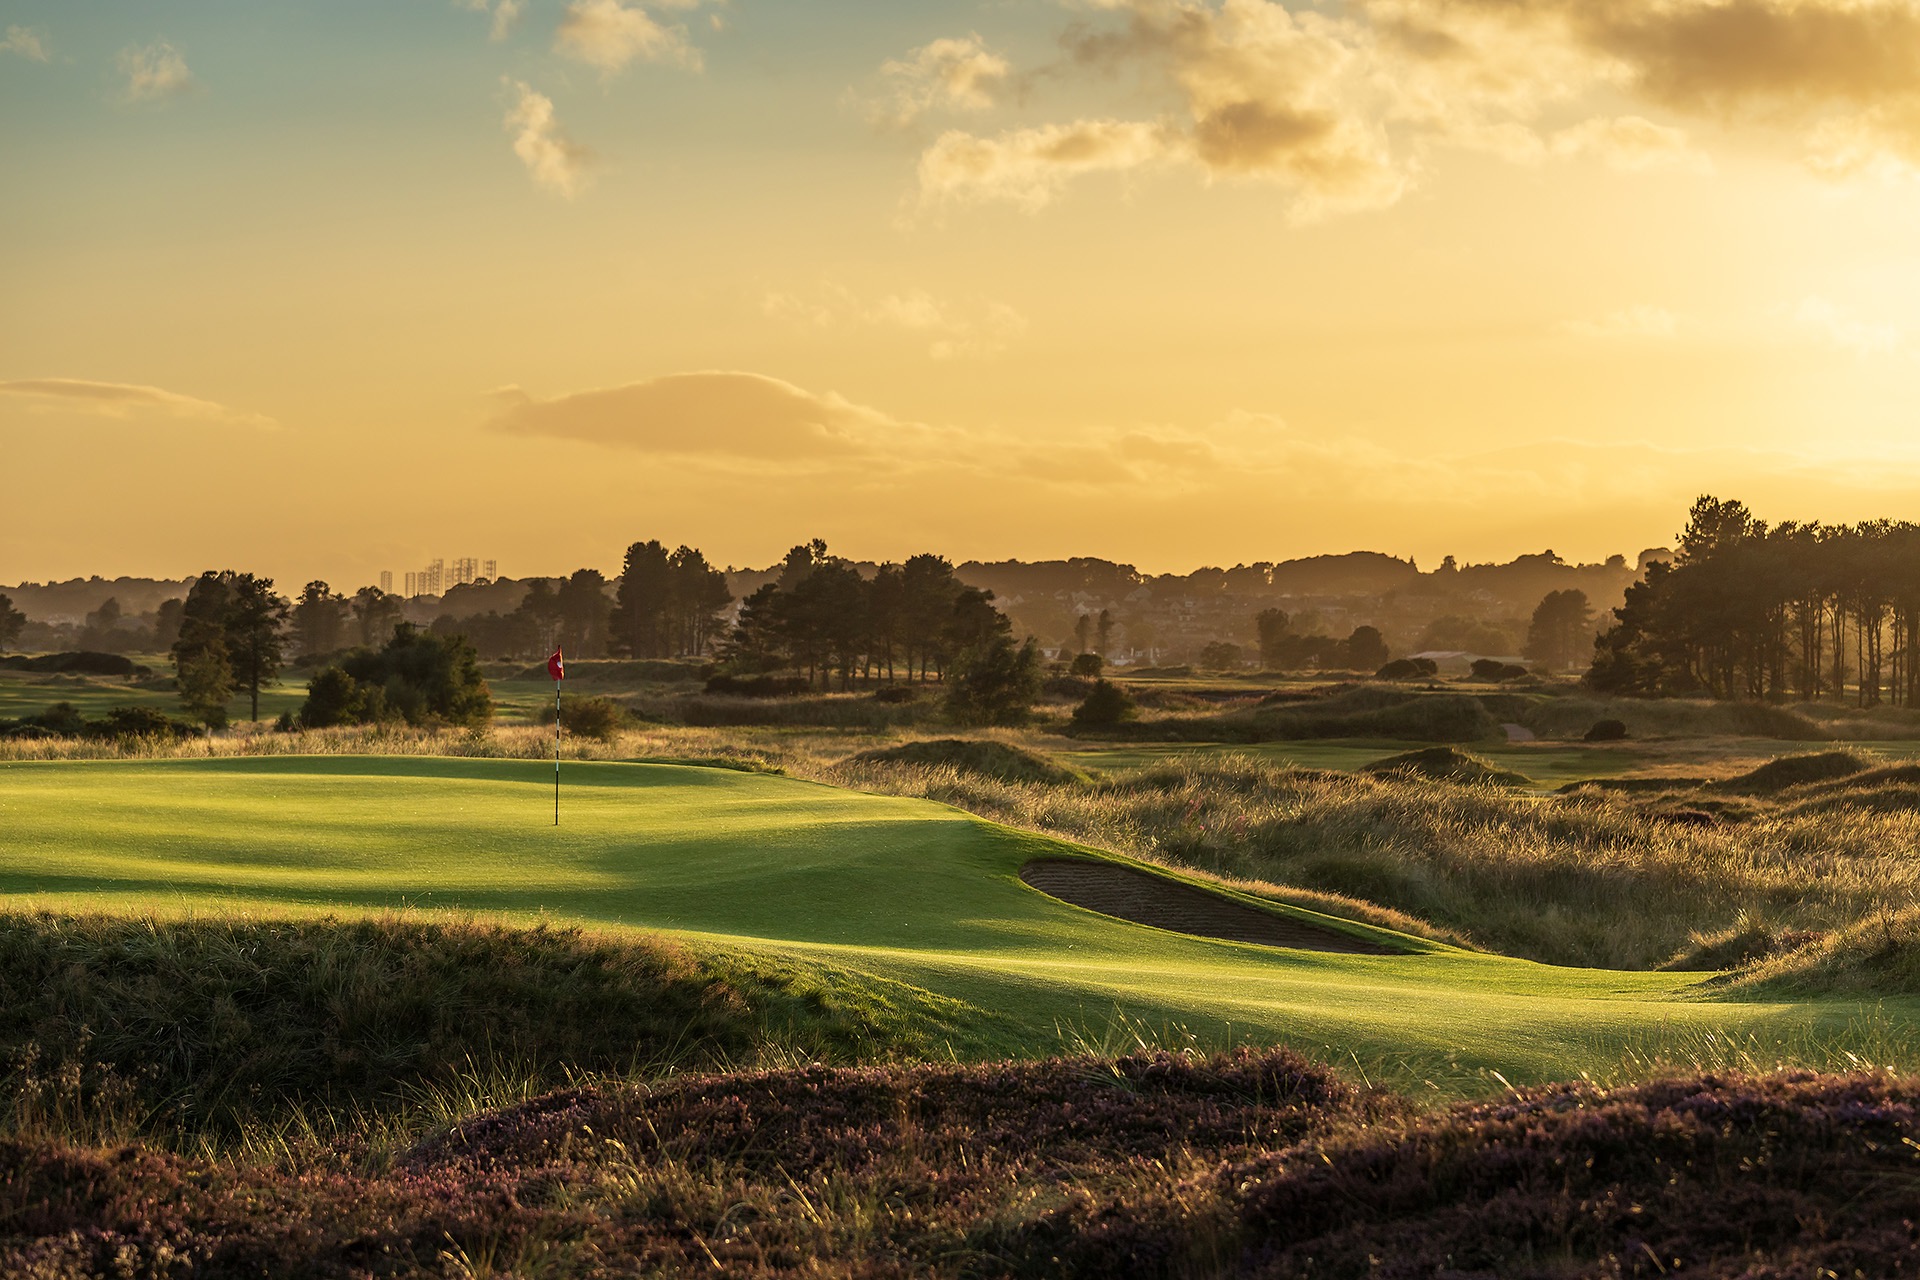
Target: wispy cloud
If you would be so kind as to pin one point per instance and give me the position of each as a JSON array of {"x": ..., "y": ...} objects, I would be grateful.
[
  {"x": 155, "y": 73},
  {"x": 953, "y": 330},
  {"x": 1837, "y": 328},
  {"x": 955, "y": 73},
  {"x": 610, "y": 35},
  {"x": 26, "y": 42},
  {"x": 505, "y": 13},
  {"x": 121, "y": 400},
  {"x": 556, "y": 162}
]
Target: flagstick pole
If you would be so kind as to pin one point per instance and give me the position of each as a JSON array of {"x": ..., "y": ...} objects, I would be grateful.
[{"x": 556, "y": 753}]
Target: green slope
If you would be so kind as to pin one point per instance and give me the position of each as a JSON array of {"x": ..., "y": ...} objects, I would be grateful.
[{"x": 894, "y": 888}]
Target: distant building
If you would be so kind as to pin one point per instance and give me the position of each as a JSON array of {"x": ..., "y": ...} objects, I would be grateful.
[{"x": 386, "y": 582}]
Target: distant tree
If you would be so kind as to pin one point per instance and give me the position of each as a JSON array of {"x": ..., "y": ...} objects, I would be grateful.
[
  {"x": 166, "y": 623},
  {"x": 1220, "y": 655},
  {"x": 584, "y": 609},
  {"x": 1086, "y": 665},
  {"x": 1366, "y": 649},
  {"x": 1561, "y": 631},
  {"x": 699, "y": 596},
  {"x": 12, "y": 622},
  {"x": 375, "y": 613},
  {"x": 994, "y": 682},
  {"x": 538, "y": 613},
  {"x": 1271, "y": 627},
  {"x": 1106, "y": 705},
  {"x": 256, "y": 644},
  {"x": 928, "y": 589},
  {"x": 101, "y": 631},
  {"x": 1103, "y": 633},
  {"x": 886, "y": 615},
  {"x": 416, "y": 676},
  {"x": 1452, "y": 632},
  {"x": 639, "y": 625},
  {"x": 318, "y": 617},
  {"x": 202, "y": 656},
  {"x": 1082, "y": 632}
]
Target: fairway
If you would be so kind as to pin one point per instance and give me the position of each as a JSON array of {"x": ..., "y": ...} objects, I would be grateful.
[{"x": 875, "y": 887}]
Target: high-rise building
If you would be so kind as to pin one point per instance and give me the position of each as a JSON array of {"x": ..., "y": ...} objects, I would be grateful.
[
  {"x": 413, "y": 585},
  {"x": 386, "y": 582},
  {"x": 490, "y": 570},
  {"x": 433, "y": 577},
  {"x": 465, "y": 570}
]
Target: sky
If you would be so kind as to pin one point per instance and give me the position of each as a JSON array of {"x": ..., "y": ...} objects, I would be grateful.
[{"x": 317, "y": 288}]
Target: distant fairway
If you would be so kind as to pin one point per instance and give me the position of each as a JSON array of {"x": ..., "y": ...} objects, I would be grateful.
[{"x": 891, "y": 888}]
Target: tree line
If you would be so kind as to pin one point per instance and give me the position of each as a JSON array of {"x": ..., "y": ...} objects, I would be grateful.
[{"x": 1751, "y": 611}]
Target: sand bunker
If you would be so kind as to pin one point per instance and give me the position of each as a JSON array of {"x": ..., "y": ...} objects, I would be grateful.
[{"x": 1148, "y": 899}]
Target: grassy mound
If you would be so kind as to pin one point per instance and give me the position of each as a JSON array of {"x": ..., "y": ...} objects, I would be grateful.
[
  {"x": 1250, "y": 1165},
  {"x": 1776, "y": 776},
  {"x": 1876, "y": 956},
  {"x": 981, "y": 757},
  {"x": 213, "y": 1022},
  {"x": 1444, "y": 764}
]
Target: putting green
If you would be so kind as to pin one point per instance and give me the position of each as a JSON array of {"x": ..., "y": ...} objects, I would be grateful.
[{"x": 882, "y": 887}]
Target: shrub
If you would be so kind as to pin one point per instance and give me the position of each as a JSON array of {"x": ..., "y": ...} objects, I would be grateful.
[
  {"x": 593, "y": 717},
  {"x": 986, "y": 759},
  {"x": 1607, "y": 731},
  {"x": 417, "y": 677},
  {"x": 137, "y": 722},
  {"x": 1106, "y": 704},
  {"x": 1087, "y": 666},
  {"x": 1495, "y": 671},
  {"x": 895, "y": 693},
  {"x": 757, "y": 686},
  {"x": 1408, "y": 669}
]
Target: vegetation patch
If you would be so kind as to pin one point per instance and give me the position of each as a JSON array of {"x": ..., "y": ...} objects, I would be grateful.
[
  {"x": 217, "y": 1022},
  {"x": 1446, "y": 765},
  {"x": 981, "y": 757},
  {"x": 1776, "y": 776}
]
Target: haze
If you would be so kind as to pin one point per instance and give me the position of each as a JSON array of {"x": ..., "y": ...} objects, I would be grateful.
[{"x": 317, "y": 289}]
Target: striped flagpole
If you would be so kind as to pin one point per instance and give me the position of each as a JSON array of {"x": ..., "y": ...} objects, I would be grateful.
[{"x": 557, "y": 668}]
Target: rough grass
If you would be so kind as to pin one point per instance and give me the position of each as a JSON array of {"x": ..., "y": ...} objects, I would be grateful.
[
  {"x": 215, "y": 1024},
  {"x": 1253, "y": 1164},
  {"x": 983, "y": 757},
  {"x": 1444, "y": 764}
]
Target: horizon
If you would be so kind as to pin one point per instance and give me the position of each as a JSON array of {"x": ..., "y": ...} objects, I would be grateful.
[{"x": 1191, "y": 283}]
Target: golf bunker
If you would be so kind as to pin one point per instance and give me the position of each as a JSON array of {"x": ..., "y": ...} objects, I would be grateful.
[{"x": 1163, "y": 903}]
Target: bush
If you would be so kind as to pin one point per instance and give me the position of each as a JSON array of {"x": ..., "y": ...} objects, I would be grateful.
[
  {"x": 1497, "y": 672},
  {"x": 757, "y": 686},
  {"x": 592, "y": 717},
  {"x": 994, "y": 683},
  {"x": 895, "y": 693},
  {"x": 1087, "y": 666},
  {"x": 986, "y": 759},
  {"x": 1409, "y": 669},
  {"x": 1107, "y": 704},
  {"x": 1607, "y": 731},
  {"x": 417, "y": 677},
  {"x": 138, "y": 722}
]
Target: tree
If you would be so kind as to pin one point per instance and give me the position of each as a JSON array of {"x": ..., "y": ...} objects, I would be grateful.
[
  {"x": 318, "y": 617},
  {"x": 255, "y": 618},
  {"x": 1106, "y": 705},
  {"x": 98, "y": 633},
  {"x": 1082, "y": 632},
  {"x": 1218, "y": 655},
  {"x": 699, "y": 595},
  {"x": 1087, "y": 666},
  {"x": 1271, "y": 627},
  {"x": 584, "y": 608},
  {"x": 994, "y": 682},
  {"x": 639, "y": 624},
  {"x": 1102, "y": 633},
  {"x": 1561, "y": 631},
  {"x": 1366, "y": 649},
  {"x": 166, "y": 623},
  {"x": 416, "y": 676},
  {"x": 203, "y": 667},
  {"x": 376, "y": 614},
  {"x": 12, "y": 621}
]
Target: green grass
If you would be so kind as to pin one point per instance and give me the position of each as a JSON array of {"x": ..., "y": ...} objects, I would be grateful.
[
  {"x": 25, "y": 693},
  {"x": 804, "y": 874}
]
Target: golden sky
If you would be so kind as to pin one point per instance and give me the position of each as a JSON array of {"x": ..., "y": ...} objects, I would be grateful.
[{"x": 321, "y": 287}]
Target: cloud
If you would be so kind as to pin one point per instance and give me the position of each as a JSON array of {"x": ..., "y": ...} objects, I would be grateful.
[
  {"x": 742, "y": 415},
  {"x": 26, "y": 42},
  {"x": 1632, "y": 322},
  {"x": 1029, "y": 167},
  {"x": 1632, "y": 144},
  {"x": 608, "y": 35},
  {"x": 955, "y": 73},
  {"x": 1839, "y": 77},
  {"x": 954, "y": 330},
  {"x": 155, "y": 73},
  {"x": 555, "y": 161},
  {"x": 1833, "y": 326},
  {"x": 506, "y": 13},
  {"x": 121, "y": 400}
]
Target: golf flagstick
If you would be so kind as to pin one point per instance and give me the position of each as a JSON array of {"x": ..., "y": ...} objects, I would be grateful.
[{"x": 557, "y": 668}]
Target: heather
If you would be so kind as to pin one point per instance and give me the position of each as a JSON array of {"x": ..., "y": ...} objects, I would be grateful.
[{"x": 1251, "y": 1164}]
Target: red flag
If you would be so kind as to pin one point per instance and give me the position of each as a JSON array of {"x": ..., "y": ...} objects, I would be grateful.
[{"x": 555, "y": 667}]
